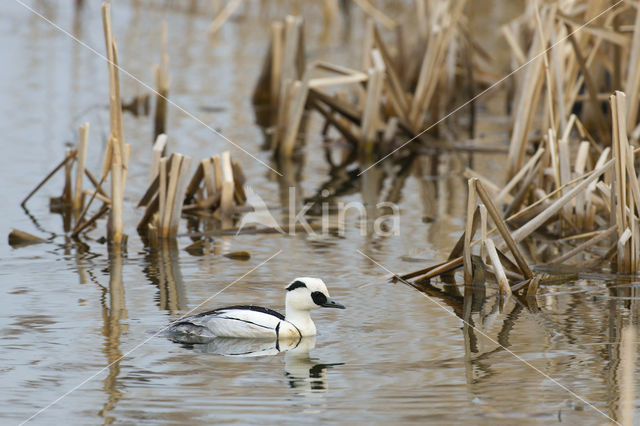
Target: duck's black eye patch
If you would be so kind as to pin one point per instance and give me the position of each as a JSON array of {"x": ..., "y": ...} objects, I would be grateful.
[
  {"x": 319, "y": 298},
  {"x": 296, "y": 284}
]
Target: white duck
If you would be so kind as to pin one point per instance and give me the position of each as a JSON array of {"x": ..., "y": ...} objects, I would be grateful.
[{"x": 303, "y": 295}]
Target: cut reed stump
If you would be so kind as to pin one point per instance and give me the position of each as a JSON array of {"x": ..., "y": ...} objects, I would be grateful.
[
  {"x": 163, "y": 82},
  {"x": 19, "y": 238},
  {"x": 164, "y": 198},
  {"x": 214, "y": 190}
]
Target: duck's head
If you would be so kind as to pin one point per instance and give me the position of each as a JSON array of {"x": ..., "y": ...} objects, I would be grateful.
[{"x": 308, "y": 293}]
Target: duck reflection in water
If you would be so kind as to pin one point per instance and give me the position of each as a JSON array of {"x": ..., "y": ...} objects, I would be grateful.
[{"x": 305, "y": 375}]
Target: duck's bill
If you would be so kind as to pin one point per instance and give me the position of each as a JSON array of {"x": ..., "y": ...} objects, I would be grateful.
[{"x": 330, "y": 303}]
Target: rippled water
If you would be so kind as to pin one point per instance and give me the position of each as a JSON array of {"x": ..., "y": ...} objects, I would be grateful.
[{"x": 77, "y": 322}]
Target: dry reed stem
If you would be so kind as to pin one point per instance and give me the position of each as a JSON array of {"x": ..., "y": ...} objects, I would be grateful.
[
  {"x": 301, "y": 89},
  {"x": 145, "y": 224},
  {"x": 632, "y": 84},
  {"x": 117, "y": 195},
  {"x": 527, "y": 99},
  {"x": 19, "y": 238},
  {"x": 370, "y": 115},
  {"x": 439, "y": 40},
  {"x": 598, "y": 237},
  {"x": 504, "y": 231},
  {"x": 67, "y": 158},
  {"x": 209, "y": 180},
  {"x": 178, "y": 202},
  {"x": 81, "y": 226},
  {"x": 217, "y": 171},
  {"x": 162, "y": 194},
  {"x": 80, "y": 167},
  {"x": 239, "y": 180},
  {"x": 591, "y": 86},
  {"x": 292, "y": 33},
  {"x": 116, "y": 124},
  {"x": 228, "y": 186},
  {"x": 338, "y": 124},
  {"x": 469, "y": 230},
  {"x": 223, "y": 16},
  {"x": 277, "y": 35},
  {"x": 516, "y": 179},
  {"x": 170, "y": 199},
  {"x": 195, "y": 181},
  {"x": 483, "y": 226},
  {"x": 156, "y": 153},
  {"x": 397, "y": 91},
  {"x": 540, "y": 219},
  {"x": 376, "y": 14},
  {"x": 97, "y": 195},
  {"x": 513, "y": 44},
  {"x": 163, "y": 83},
  {"x": 501, "y": 277},
  {"x": 545, "y": 58},
  {"x": 80, "y": 218},
  {"x": 532, "y": 287},
  {"x": 490, "y": 186},
  {"x": 94, "y": 182}
]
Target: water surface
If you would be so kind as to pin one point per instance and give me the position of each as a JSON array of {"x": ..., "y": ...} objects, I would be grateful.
[{"x": 70, "y": 311}]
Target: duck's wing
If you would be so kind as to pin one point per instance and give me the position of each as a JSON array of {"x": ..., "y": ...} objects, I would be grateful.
[{"x": 234, "y": 321}]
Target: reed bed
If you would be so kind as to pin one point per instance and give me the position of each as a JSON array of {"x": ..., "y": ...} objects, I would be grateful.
[{"x": 569, "y": 195}]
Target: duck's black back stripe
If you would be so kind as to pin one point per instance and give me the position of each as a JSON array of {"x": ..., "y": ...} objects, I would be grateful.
[
  {"x": 243, "y": 307},
  {"x": 298, "y": 330}
]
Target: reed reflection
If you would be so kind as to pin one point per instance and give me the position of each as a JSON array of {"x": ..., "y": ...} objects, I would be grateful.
[
  {"x": 162, "y": 268},
  {"x": 112, "y": 315}
]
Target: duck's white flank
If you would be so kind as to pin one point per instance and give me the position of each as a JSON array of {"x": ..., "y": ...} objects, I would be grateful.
[{"x": 303, "y": 295}]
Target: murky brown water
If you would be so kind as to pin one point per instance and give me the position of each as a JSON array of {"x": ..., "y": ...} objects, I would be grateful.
[{"x": 68, "y": 311}]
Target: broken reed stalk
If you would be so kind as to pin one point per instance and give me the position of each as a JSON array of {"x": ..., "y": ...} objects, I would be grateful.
[
  {"x": 527, "y": 99},
  {"x": 275, "y": 82},
  {"x": 67, "y": 158},
  {"x": 176, "y": 213},
  {"x": 157, "y": 153},
  {"x": 19, "y": 238},
  {"x": 632, "y": 85},
  {"x": 504, "y": 231},
  {"x": 469, "y": 231},
  {"x": 376, "y": 14},
  {"x": 115, "y": 145},
  {"x": 165, "y": 196},
  {"x": 116, "y": 223},
  {"x": 600, "y": 236},
  {"x": 370, "y": 115},
  {"x": 163, "y": 82},
  {"x": 226, "y": 200},
  {"x": 172, "y": 185},
  {"x": 80, "y": 219},
  {"x": 223, "y": 16},
  {"x": 81, "y": 226},
  {"x": 80, "y": 167},
  {"x": 501, "y": 277},
  {"x": 626, "y": 188}
]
